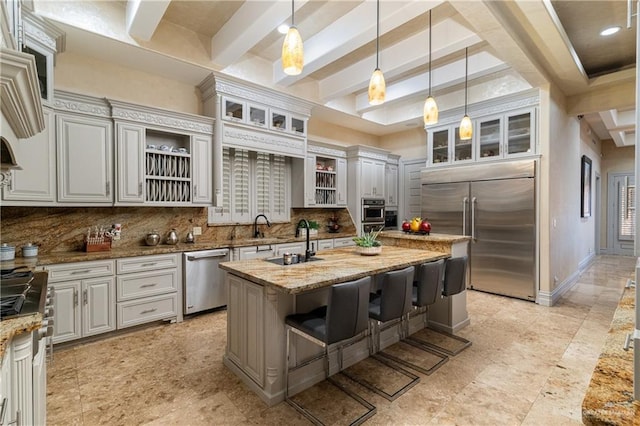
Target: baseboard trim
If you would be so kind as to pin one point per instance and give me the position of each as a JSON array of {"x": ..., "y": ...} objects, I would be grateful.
[{"x": 546, "y": 298}]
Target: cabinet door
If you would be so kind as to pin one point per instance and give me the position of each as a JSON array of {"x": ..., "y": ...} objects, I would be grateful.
[
  {"x": 378, "y": 179},
  {"x": 66, "y": 324},
  {"x": 256, "y": 252},
  {"x": 98, "y": 306},
  {"x": 130, "y": 163},
  {"x": 37, "y": 157},
  {"x": 367, "y": 177},
  {"x": 489, "y": 138},
  {"x": 6, "y": 389},
  {"x": 462, "y": 150},
  {"x": 438, "y": 144},
  {"x": 234, "y": 319},
  {"x": 290, "y": 248},
  {"x": 84, "y": 159},
  {"x": 310, "y": 181},
  {"x": 341, "y": 182},
  {"x": 202, "y": 174},
  {"x": 391, "y": 184},
  {"x": 519, "y": 133}
]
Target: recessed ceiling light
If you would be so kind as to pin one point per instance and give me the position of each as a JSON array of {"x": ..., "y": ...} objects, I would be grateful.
[
  {"x": 609, "y": 31},
  {"x": 283, "y": 28}
]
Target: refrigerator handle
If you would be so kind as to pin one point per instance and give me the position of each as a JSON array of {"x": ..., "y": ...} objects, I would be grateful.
[
  {"x": 473, "y": 218},
  {"x": 465, "y": 201}
]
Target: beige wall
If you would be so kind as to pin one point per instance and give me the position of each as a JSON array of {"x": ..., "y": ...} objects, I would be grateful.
[
  {"x": 93, "y": 77},
  {"x": 614, "y": 159},
  {"x": 322, "y": 131},
  {"x": 409, "y": 144},
  {"x": 571, "y": 238}
]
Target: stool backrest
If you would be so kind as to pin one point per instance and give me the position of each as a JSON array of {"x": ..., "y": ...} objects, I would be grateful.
[
  {"x": 430, "y": 283},
  {"x": 395, "y": 300},
  {"x": 348, "y": 309},
  {"x": 455, "y": 275}
]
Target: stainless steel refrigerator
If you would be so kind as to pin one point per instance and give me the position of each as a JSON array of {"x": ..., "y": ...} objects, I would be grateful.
[{"x": 495, "y": 204}]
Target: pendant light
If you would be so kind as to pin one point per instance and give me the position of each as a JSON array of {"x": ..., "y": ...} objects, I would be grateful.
[
  {"x": 430, "y": 113},
  {"x": 292, "y": 49},
  {"x": 466, "y": 129},
  {"x": 377, "y": 86}
]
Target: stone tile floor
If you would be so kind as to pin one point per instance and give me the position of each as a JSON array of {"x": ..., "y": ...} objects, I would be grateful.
[{"x": 528, "y": 365}]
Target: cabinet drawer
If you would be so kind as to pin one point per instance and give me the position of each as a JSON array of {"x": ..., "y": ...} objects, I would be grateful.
[
  {"x": 343, "y": 242},
  {"x": 80, "y": 270},
  {"x": 149, "y": 309},
  {"x": 143, "y": 284},
  {"x": 146, "y": 263}
]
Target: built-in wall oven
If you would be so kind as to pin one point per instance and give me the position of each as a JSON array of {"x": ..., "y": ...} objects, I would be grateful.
[{"x": 373, "y": 214}]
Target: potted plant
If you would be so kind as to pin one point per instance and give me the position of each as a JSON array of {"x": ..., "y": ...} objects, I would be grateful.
[
  {"x": 367, "y": 244},
  {"x": 313, "y": 229}
]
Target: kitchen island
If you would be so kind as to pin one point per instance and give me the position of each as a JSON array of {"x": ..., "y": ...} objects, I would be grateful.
[{"x": 261, "y": 294}]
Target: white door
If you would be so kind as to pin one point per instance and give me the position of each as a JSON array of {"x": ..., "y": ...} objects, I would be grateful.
[
  {"x": 98, "y": 305},
  {"x": 67, "y": 313},
  {"x": 621, "y": 214},
  {"x": 202, "y": 164},
  {"x": 130, "y": 172}
]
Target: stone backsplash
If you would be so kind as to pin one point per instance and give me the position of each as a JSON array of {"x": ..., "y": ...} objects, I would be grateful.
[{"x": 62, "y": 229}]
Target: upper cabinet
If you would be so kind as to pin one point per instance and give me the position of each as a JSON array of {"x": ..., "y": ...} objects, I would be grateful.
[
  {"x": 84, "y": 151},
  {"x": 391, "y": 181},
  {"x": 163, "y": 157},
  {"x": 508, "y": 132},
  {"x": 325, "y": 178}
]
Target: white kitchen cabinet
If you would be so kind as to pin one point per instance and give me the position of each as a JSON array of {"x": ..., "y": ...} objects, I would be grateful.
[
  {"x": 245, "y": 327},
  {"x": 130, "y": 163},
  {"x": 373, "y": 176},
  {"x": 391, "y": 185},
  {"x": 84, "y": 299},
  {"x": 40, "y": 383},
  {"x": 445, "y": 147},
  {"x": 36, "y": 182},
  {"x": 201, "y": 160},
  {"x": 310, "y": 181},
  {"x": 341, "y": 182},
  {"x": 6, "y": 390},
  {"x": 325, "y": 244},
  {"x": 84, "y": 152},
  {"x": 297, "y": 247},
  {"x": 17, "y": 381},
  {"x": 148, "y": 289},
  {"x": 343, "y": 242}
]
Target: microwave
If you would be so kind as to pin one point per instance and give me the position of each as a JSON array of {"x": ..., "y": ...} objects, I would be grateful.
[{"x": 373, "y": 210}]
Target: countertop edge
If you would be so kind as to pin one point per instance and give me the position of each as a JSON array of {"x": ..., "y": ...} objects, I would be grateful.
[{"x": 15, "y": 326}]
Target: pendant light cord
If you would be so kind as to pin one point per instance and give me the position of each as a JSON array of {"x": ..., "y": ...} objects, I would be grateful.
[
  {"x": 292, "y": 14},
  {"x": 429, "y": 52},
  {"x": 466, "y": 65},
  {"x": 377, "y": 33}
]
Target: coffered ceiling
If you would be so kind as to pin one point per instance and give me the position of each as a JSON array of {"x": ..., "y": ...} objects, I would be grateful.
[{"x": 513, "y": 46}]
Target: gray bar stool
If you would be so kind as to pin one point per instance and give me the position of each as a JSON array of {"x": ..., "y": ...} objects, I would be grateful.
[
  {"x": 386, "y": 308},
  {"x": 425, "y": 291},
  {"x": 455, "y": 273},
  {"x": 344, "y": 317}
]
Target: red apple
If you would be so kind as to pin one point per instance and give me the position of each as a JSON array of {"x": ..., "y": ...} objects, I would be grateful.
[
  {"x": 425, "y": 226},
  {"x": 406, "y": 226}
]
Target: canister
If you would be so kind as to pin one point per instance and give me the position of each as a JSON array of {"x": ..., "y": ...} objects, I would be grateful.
[
  {"x": 29, "y": 250},
  {"x": 7, "y": 252},
  {"x": 286, "y": 258}
]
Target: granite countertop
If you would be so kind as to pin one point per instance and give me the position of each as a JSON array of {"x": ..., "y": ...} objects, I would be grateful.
[
  {"x": 609, "y": 397},
  {"x": 115, "y": 253},
  {"x": 336, "y": 266},
  {"x": 15, "y": 326},
  {"x": 432, "y": 237}
]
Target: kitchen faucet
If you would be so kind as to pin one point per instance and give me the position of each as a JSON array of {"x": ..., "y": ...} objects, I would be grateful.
[
  {"x": 308, "y": 253},
  {"x": 256, "y": 233}
]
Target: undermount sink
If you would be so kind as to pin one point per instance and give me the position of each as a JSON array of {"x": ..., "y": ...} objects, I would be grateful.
[{"x": 279, "y": 260}]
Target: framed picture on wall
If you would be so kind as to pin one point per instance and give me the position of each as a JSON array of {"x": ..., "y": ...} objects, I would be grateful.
[{"x": 585, "y": 187}]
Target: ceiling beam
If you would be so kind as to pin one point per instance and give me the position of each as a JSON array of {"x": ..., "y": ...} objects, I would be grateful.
[
  {"x": 250, "y": 24},
  {"x": 143, "y": 17},
  {"x": 350, "y": 32},
  {"x": 449, "y": 37}
]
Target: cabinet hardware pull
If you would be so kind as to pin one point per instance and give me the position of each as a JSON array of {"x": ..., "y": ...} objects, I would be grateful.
[
  {"x": 465, "y": 200},
  {"x": 473, "y": 218},
  {"x": 140, "y": 188},
  {"x": 149, "y": 264},
  {"x": 85, "y": 297},
  {"x": 148, "y": 311},
  {"x": 86, "y": 271},
  {"x": 148, "y": 285},
  {"x": 75, "y": 298},
  {"x": 195, "y": 191},
  {"x": 108, "y": 188}
]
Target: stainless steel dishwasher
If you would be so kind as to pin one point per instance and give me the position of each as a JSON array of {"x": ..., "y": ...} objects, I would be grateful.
[{"x": 203, "y": 281}]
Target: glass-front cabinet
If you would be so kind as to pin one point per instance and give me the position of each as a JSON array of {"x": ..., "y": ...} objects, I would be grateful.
[
  {"x": 233, "y": 109},
  {"x": 497, "y": 136},
  {"x": 257, "y": 115},
  {"x": 254, "y": 114},
  {"x": 278, "y": 120}
]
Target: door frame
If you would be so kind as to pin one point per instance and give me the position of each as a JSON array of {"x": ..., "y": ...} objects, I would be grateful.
[
  {"x": 612, "y": 207},
  {"x": 597, "y": 212}
]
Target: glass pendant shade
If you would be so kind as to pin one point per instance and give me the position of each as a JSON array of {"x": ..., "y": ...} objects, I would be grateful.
[
  {"x": 377, "y": 88},
  {"x": 430, "y": 113},
  {"x": 466, "y": 129},
  {"x": 292, "y": 52}
]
